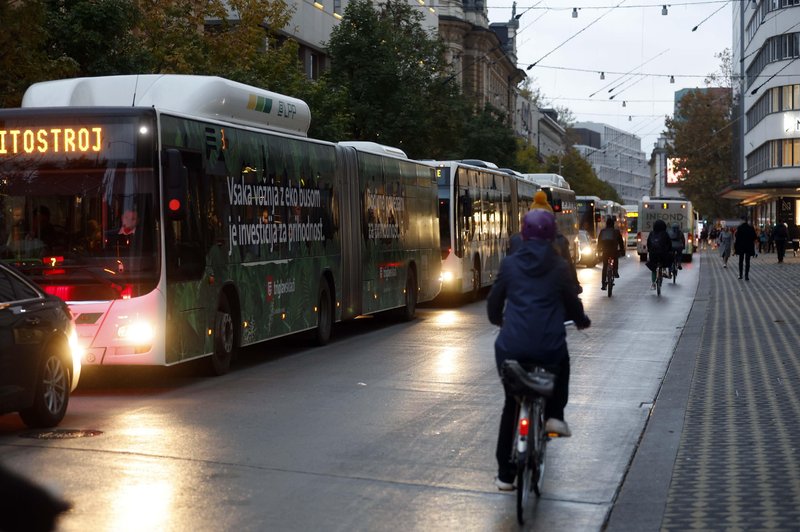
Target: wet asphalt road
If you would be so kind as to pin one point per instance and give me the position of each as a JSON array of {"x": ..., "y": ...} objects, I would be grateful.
[{"x": 391, "y": 426}]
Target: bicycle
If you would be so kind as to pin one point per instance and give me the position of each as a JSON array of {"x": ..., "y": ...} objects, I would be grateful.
[
  {"x": 610, "y": 264},
  {"x": 531, "y": 388},
  {"x": 659, "y": 278},
  {"x": 676, "y": 260}
]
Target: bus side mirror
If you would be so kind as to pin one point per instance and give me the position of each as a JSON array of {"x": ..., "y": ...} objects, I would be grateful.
[{"x": 176, "y": 183}]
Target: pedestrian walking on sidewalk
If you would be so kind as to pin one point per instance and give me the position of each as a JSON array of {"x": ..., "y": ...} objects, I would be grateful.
[
  {"x": 725, "y": 239},
  {"x": 780, "y": 234},
  {"x": 745, "y": 246}
]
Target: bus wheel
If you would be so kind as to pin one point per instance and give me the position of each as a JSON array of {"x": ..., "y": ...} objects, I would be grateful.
[
  {"x": 224, "y": 338},
  {"x": 322, "y": 334},
  {"x": 409, "y": 310}
]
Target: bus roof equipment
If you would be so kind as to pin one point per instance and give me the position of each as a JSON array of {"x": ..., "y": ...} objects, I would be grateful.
[
  {"x": 548, "y": 180},
  {"x": 207, "y": 97}
]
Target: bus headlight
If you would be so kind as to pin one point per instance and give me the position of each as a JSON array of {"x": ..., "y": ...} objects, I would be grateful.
[
  {"x": 447, "y": 277},
  {"x": 76, "y": 350},
  {"x": 140, "y": 332}
]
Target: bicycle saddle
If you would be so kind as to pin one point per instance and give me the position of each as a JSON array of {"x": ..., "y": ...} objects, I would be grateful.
[{"x": 520, "y": 381}]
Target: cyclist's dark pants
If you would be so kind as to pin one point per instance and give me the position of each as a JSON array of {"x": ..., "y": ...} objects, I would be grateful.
[
  {"x": 554, "y": 408},
  {"x": 615, "y": 255}
]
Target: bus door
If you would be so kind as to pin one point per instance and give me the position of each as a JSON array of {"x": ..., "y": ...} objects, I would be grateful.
[{"x": 347, "y": 185}]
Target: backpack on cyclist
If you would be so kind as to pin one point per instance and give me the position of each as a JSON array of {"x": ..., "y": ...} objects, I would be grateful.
[{"x": 659, "y": 243}]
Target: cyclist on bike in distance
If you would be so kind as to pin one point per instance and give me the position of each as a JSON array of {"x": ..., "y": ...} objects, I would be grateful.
[
  {"x": 531, "y": 298},
  {"x": 610, "y": 244},
  {"x": 678, "y": 242},
  {"x": 659, "y": 250}
]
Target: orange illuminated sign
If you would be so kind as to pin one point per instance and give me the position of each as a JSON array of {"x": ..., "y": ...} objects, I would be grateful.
[{"x": 51, "y": 140}]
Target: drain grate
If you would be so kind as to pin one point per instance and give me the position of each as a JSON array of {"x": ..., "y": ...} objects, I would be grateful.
[{"x": 60, "y": 434}]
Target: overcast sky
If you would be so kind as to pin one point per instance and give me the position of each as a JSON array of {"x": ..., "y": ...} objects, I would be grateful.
[{"x": 618, "y": 37}]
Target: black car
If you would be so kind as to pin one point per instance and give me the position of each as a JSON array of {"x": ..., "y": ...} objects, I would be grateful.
[{"x": 39, "y": 358}]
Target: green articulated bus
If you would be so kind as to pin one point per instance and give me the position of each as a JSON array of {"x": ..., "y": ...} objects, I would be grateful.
[{"x": 188, "y": 216}]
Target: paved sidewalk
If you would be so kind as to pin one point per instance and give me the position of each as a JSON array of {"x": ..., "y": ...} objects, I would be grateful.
[{"x": 721, "y": 450}]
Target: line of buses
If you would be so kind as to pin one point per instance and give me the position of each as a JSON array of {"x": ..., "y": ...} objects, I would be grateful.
[{"x": 247, "y": 229}]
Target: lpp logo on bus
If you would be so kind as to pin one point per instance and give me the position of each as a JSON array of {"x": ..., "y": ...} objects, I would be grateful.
[{"x": 270, "y": 287}]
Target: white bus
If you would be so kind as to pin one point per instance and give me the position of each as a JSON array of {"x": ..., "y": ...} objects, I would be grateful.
[
  {"x": 671, "y": 210},
  {"x": 632, "y": 226},
  {"x": 243, "y": 228},
  {"x": 562, "y": 198},
  {"x": 480, "y": 207}
]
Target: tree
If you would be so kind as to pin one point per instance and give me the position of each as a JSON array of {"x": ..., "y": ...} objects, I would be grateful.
[
  {"x": 487, "y": 137},
  {"x": 24, "y": 59},
  {"x": 395, "y": 86},
  {"x": 234, "y": 39},
  {"x": 701, "y": 138}
]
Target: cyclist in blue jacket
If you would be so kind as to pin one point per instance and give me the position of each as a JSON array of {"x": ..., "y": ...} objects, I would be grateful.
[{"x": 532, "y": 296}]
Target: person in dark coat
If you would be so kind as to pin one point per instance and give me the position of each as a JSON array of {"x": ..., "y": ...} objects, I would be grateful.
[
  {"x": 745, "y": 246},
  {"x": 610, "y": 244},
  {"x": 780, "y": 235},
  {"x": 659, "y": 250},
  {"x": 560, "y": 242},
  {"x": 531, "y": 298}
]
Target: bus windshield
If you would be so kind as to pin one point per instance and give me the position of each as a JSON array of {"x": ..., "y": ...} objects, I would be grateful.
[{"x": 78, "y": 202}]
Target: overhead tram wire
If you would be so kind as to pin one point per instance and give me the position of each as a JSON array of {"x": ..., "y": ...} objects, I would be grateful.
[
  {"x": 611, "y": 72},
  {"x": 711, "y": 15},
  {"x": 576, "y": 34},
  {"x": 659, "y": 5},
  {"x": 629, "y": 72}
]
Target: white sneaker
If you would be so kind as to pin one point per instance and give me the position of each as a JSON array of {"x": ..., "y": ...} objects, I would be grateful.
[
  {"x": 558, "y": 426},
  {"x": 652, "y": 286},
  {"x": 503, "y": 486}
]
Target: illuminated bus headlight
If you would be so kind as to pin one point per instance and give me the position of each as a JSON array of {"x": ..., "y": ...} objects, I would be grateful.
[
  {"x": 447, "y": 277},
  {"x": 76, "y": 350},
  {"x": 140, "y": 332}
]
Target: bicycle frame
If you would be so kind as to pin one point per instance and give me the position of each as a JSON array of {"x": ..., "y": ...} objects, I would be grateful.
[{"x": 609, "y": 280}]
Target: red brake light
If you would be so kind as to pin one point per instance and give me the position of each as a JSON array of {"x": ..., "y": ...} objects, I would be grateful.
[
  {"x": 53, "y": 261},
  {"x": 524, "y": 425},
  {"x": 126, "y": 292},
  {"x": 174, "y": 205}
]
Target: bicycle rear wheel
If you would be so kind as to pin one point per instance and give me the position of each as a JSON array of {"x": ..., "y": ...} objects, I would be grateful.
[
  {"x": 525, "y": 481},
  {"x": 610, "y": 277},
  {"x": 659, "y": 279},
  {"x": 539, "y": 445}
]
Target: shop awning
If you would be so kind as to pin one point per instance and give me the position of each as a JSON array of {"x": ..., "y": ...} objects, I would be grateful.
[{"x": 760, "y": 192}]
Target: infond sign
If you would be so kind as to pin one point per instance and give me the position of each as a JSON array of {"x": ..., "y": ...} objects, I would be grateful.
[{"x": 668, "y": 211}]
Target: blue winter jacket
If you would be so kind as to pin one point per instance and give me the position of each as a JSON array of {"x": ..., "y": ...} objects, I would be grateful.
[{"x": 531, "y": 298}]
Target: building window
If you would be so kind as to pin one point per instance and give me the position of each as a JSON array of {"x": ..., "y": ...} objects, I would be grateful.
[{"x": 312, "y": 65}]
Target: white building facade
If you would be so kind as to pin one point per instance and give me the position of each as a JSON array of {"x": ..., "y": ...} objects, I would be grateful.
[
  {"x": 766, "y": 47},
  {"x": 617, "y": 158}
]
